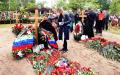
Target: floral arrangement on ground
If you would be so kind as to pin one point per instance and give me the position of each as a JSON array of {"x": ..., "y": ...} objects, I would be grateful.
[
  {"x": 50, "y": 62},
  {"x": 45, "y": 61},
  {"x": 106, "y": 48},
  {"x": 17, "y": 28}
]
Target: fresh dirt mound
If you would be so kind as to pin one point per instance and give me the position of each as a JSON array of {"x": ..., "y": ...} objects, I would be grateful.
[
  {"x": 91, "y": 58},
  {"x": 77, "y": 52},
  {"x": 9, "y": 66}
]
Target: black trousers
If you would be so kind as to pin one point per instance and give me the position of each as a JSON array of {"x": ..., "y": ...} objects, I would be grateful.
[
  {"x": 106, "y": 25},
  {"x": 99, "y": 30},
  {"x": 65, "y": 45},
  {"x": 100, "y": 26}
]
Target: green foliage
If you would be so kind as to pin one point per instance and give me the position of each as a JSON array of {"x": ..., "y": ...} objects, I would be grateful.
[
  {"x": 109, "y": 49},
  {"x": 13, "y": 5},
  {"x": 30, "y": 5},
  {"x": 114, "y": 7},
  {"x": 104, "y": 4},
  {"x": 71, "y": 4},
  {"x": 94, "y": 44},
  {"x": 61, "y": 4},
  {"x": 3, "y": 5},
  {"x": 77, "y": 37},
  {"x": 27, "y": 4},
  {"x": 40, "y": 5},
  {"x": 75, "y": 4},
  {"x": 22, "y": 9}
]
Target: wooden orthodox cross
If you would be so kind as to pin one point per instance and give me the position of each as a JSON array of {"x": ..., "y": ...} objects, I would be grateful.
[
  {"x": 17, "y": 17},
  {"x": 36, "y": 24},
  {"x": 82, "y": 15}
]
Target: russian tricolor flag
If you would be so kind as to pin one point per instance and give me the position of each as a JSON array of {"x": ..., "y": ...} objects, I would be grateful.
[{"x": 52, "y": 42}]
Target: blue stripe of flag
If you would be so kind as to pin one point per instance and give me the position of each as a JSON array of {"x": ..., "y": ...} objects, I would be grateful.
[{"x": 52, "y": 42}]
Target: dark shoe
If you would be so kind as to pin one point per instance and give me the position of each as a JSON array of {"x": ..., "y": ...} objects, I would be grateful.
[
  {"x": 65, "y": 50},
  {"x": 61, "y": 49}
]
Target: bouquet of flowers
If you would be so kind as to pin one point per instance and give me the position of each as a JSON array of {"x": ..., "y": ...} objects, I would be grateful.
[
  {"x": 78, "y": 31},
  {"x": 17, "y": 28},
  {"x": 66, "y": 67},
  {"x": 27, "y": 31},
  {"x": 43, "y": 62},
  {"x": 51, "y": 63}
]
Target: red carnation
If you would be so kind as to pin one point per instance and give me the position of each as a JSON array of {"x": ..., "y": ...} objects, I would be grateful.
[{"x": 85, "y": 69}]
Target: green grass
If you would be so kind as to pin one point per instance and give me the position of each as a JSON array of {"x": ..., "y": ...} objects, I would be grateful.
[{"x": 6, "y": 25}]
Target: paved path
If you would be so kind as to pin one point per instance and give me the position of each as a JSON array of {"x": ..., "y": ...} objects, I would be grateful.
[{"x": 77, "y": 52}]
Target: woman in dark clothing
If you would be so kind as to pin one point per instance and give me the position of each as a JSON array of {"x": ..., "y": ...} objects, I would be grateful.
[
  {"x": 100, "y": 22},
  {"x": 77, "y": 18},
  {"x": 89, "y": 23},
  {"x": 106, "y": 21}
]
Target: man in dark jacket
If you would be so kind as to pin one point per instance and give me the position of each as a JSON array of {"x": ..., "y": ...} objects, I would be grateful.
[{"x": 64, "y": 21}]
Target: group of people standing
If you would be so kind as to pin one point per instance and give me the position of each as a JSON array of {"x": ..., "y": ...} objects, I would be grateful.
[
  {"x": 60, "y": 23},
  {"x": 94, "y": 20}
]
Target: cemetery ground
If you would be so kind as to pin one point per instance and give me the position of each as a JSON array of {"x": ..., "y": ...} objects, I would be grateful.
[
  {"x": 77, "y": 52},
  {"x": 114, "y": 29}
]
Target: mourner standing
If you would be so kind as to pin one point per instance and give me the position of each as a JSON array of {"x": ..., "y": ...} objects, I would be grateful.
[
  {"x": 106, "y": 19},
  {"x": 100, "y": 22},
  {"x": 89, "y": 23},
  {"x": 64, "y": 21},
  {"x": 77, "y": 18},
  {"x": 72, "y": 20}
]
